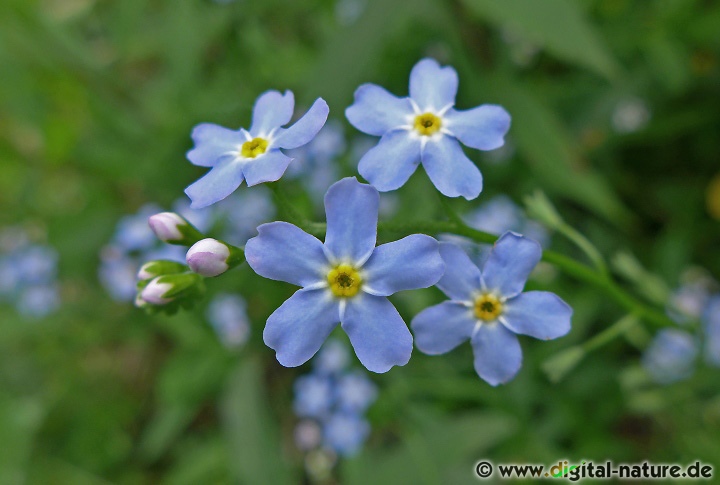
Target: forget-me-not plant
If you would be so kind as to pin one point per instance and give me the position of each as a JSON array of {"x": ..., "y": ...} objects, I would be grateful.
[
  {"x": 425, "y": 128},
  {"x": 488, "y": 307},
  {"x": 344, "y": 280},
  {"x": 253, "y": 155}
]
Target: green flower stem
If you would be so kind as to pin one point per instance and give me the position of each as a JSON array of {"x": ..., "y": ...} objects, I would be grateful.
[
  {"x": 287, "y": 207},
  {"x": 585, "y": 245},
  {"x": 569, "y": 266},
  {"x": 610, "y": 333}
]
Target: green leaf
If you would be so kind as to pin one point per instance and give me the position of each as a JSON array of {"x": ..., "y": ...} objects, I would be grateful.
[
  {"x": 251, "y": 432},
  {"x": 559, "y": 26}
]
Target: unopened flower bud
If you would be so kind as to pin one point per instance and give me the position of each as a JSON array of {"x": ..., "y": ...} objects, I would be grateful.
[
  {"x": 211, "y": 257},
  {"x": 155, "y": 292},
  {"x": 172, "y": 228},
  {"x": 164, "y": 289},
  {"x": 151, "y": 269}
]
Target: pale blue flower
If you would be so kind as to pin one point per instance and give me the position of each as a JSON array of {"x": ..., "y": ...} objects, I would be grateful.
[
  {"x": 345, "y": 433},
  {"x": 671, "y": 356},
  {"x": 345, "y": 280},
  {"x": 243, "y": 212},
  {"x": 711, "y": 325},
  {"x": 132, "y": 232},
  {"x": 314, "y": 396},
  {"x": 227, "y": 313},
  {"x": 332, "y": 359},
  {"x": 255, "y": 155},
  {"x": 38, "y": 301},
  {"x": 426, "y": 129},
  {"x": 356, "y": 392},
  {"x": 489, "y": 308}
]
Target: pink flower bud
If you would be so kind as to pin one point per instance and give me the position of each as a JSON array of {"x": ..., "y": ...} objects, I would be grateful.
[
  {"x": 166, "y": 226},
  {"x": 154, "y": 292},
  {"x": 208, "y": 257}
]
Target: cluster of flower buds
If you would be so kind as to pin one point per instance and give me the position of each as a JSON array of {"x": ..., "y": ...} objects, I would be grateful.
[{"x": 168, "y": 285}]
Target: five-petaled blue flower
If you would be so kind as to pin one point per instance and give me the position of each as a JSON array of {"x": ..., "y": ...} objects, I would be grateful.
[
  {"x": 425, "y": 128},
  {"x": 489, "y": 308},
  {"x": 345, "y": 280},
  {"x": 255, "y": 155}
]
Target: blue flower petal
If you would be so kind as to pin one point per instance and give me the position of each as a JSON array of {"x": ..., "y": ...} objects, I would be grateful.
[
  {"x": 450, "y": 170},
  {"x": 297, "y": 329},
  {"x": 268, "y": 167},
  {"x": 483, "y": 127},
  {"x": 272, "y": 110},
  {"x": 433, "y": 87},
  {"x": 671, "y": 356},
  {"x": 462, "y": 278},
  {"x": 539, "y": 314},
  {"x": 391, "y": 163},
  {"x": 498, "y": 356},
  {"x": 352, "y": 214},
  {"x": 439, "y": 329},
  {"x": 213, "y": 143},
  {"x": 304, "y": 129},
  {"x": 410, "y": 263},
  {"x": 284, "y": 252},
  {"x": 511, "y": 261},
  {"x": 377, "y": 332},
  {"x": 711, "y": 319},
  {"x": 376, "y": 111},
  {"x": 218, "y": 183}
]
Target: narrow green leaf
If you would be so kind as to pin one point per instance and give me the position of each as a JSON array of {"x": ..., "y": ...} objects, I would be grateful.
[{"x": 559, "y": 26}]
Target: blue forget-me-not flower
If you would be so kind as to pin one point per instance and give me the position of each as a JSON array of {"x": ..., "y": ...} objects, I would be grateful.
[
  {"x": 255, "y": 155},
  {"x": 489, "y": 308},
  {"x": 711, "y": 326},
  {"x": 425, "y": 128},
  {"x": 345, "y": 280},
  {"x": 671, "y": 356},
  {"x": 334, "y": 399}
]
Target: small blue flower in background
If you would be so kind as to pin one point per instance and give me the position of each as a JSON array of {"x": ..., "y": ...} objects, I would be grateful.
[
  {"x": 345, "y": 433},
  {"x": 426, "y": 129},
  {"x": 28, "y": 274},
  {"x": 334, "y": 398},
  {"x": 711, "y": 326},
  {"x": 255, "y": 155},
  {"x": 227, "y": 313},
  {"x": 345, "y": 280},
  {"x": 315, "y": 163},
  {"x": 242, "y": 213},
  {"x": 671, "y": 355},
  {"x": 489, "y": 308},
  {"x": 497, "y": 216},
  {"x": 688, "y": 301},
  {"x": 132, "y": 232}
]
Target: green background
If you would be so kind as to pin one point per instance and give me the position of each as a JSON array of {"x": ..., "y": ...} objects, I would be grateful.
[{"x": 97, "y": 100}]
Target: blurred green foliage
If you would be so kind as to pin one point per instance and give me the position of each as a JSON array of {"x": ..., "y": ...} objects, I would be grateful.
[{"x": 97, "y": 99}]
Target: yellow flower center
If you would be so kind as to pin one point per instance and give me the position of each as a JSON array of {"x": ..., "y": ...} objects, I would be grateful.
[
  {"x": 344, "y": 280},
  {"x": 488, "y": 307},
  {"x": 254, "y": 147},
  {"x": 427, "y": 124}
]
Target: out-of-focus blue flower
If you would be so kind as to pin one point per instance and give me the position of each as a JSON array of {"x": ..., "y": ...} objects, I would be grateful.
[
  {"x": 133, "y": 233},
  {"x": 345, "y": 433},
  {"x": 355, "y": 392},
  {"x": 117, "y": 274},
  {"x": 38, "y": 301},
  {"x": 228, "y": 316},
  {"x": 711, "y": 324},
  {"x": 426, "y": 129},
  {"x": 243, "y": 212},
  {"x": 671, "y": 355},
  {"x": 203, "y": 219},
  {"x": 315, "y": 163},
  {"x": 500, "y": 214},
  {"x": 255, "y": 155},
  {"x": 345, "y": 280},
  {"x": 489, "y": 308},
  {"x": 688, "y": 302},
  {"x": 28, "y": 273},
  {"x": 37, "y": 264},
  {"x": 333, "y": 358},
  {"x": 336, "y": 399},
  {"x": 314, "y": 396}
]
